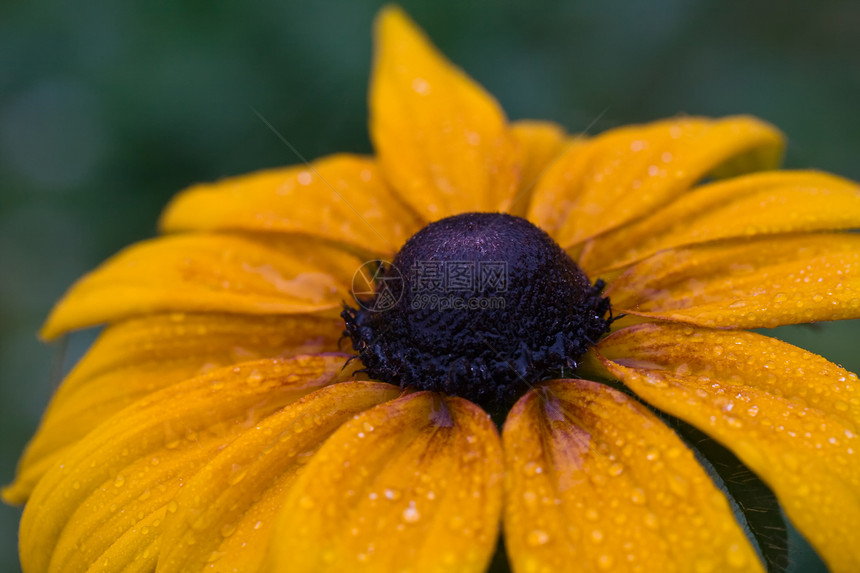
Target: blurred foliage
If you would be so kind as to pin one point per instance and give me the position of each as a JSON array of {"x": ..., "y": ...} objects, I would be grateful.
[{"x": 107, "y": 109}]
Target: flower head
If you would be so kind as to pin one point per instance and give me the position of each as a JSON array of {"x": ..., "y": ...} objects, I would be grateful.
[{"x": 217, "y": 424}]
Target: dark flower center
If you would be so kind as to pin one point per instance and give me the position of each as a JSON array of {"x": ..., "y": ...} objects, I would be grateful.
[{"x": 479, "y": 305}]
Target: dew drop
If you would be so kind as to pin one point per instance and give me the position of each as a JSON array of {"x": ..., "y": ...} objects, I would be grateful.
[
  {"x": 616, "y": 469},
  {"x": 254, "y": 378},
  {"x": 532, "y": 469},
  {"x": 411, "y": 514},
  {"x": 119, "y": 481},
  {"x": 537, "y": 537},
  {"x": 172, "y": 507},
  {"x": 605, "y": 562},
  {"x": 228, "y": 530},
  {"x": 597, "y": 536}
]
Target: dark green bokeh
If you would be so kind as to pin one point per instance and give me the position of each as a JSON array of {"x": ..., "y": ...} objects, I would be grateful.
[{"x": 107, "y": 110}]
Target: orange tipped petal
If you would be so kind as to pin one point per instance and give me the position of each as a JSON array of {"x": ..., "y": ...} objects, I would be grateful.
[
  {"x": 761, "y": 282},
  {"x": 442, "y": 141},
  {"x": 595, "y": 479},
  {"x": 625, "y": 173},
  {"x": 105, "y": 500},
  {"x": 342, "y": 199},
  {"x": 760, "y": 204},
  {"x": 415, "y": 483},
  {"x": 788, "y": 414},
  {"x": 207, "y": 273},
  {"x": 225, "y": 514},
  {"x": 139, "y": 356}
]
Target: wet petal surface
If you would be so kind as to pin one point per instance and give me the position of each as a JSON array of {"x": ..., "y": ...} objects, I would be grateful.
[
  {"x": 442, "y": 141},
  {"x": 594, "y": 478},
  {"x": 342, "y": 198},
  {"x": 759, "y": 204},
  {"x": 788, "y": 414},
  {"x": 208, "y": 273},
  {"x": 627, "y": 172},
  {"x": 753, "y": 283},
  {"x": 414, "y": 484},
  {"x": 134, "y": 358},
  {"x": 103, "y": 503},
  {"x": 225, "y": 514}
]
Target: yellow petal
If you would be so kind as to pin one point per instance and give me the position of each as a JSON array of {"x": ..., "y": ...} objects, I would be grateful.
[
  {"x": 594, "y": 478},
  {"x": 627, "y": 172},
  {"x": 342, "y": 198},
  {"x": 441, "y": 140},
  {"x": 789, "y": 415},
  {"x": 414, "y": 483},
  {"x": 139, "y": 356},
  {"x": 760, "y": 204},
  {"x": 760, "y": 282},
  {"x": 540, "y": 143},
  {"x": 208, "y": 273},
  {"x": 115, "y": 484},
  {"x": 225, "y": 513}
]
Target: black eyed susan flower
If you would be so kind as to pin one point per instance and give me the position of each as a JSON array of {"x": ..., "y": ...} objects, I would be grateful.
[{"x": 569, "y": 287}]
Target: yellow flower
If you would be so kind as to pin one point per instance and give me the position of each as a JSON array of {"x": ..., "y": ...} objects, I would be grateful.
[{"x": 215, "y": 426}]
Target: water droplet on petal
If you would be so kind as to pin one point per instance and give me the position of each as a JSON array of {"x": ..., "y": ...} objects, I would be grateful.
[
  {"x": 411, "y": 515},
  {"x": 537, "y": 537},
  {"x": 254, "y": 378},
  {"x": 532, "y": 469}
]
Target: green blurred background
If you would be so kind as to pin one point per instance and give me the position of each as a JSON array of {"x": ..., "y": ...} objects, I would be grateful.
[{"x": 106, "y": 110}]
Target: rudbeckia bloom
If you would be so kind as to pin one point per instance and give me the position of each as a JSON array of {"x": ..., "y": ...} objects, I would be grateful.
[{"x": 589, "y": 293}]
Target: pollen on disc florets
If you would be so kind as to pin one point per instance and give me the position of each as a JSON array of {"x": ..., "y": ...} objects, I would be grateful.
[{"x": 478, "y": 305}]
